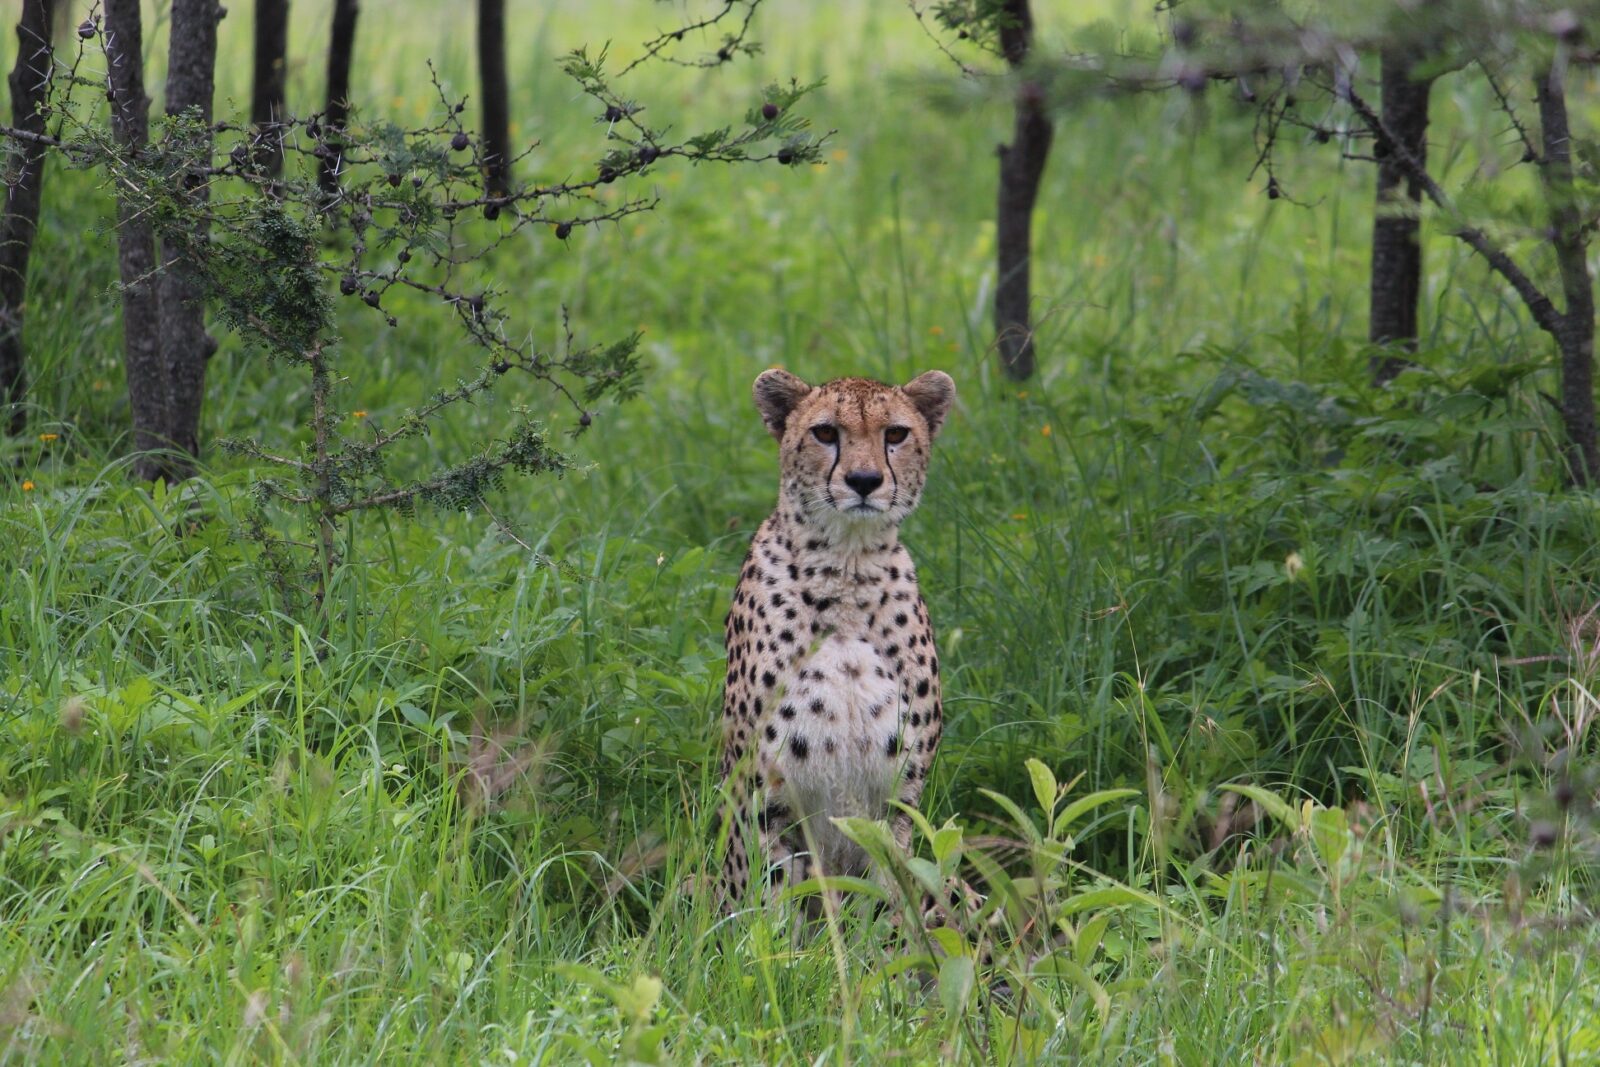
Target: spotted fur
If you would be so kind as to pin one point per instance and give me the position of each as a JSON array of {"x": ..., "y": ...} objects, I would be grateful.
[{"x": 831, "y": 705}]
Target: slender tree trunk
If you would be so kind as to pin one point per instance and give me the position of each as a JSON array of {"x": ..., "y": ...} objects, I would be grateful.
[
  {"x": 267, "y": 82},
  {"x": 1021, "y": 169},
  {"x": 1574, "y": 328},
  {"x": 496, "y": 108},
  {"x": 136, "y": 246},
  {"x": 185, "y": 345},
  {"x": 340, "y": 51},
  {"x": 1396, "y": 227},
  {"x": 24, "y": 182}
]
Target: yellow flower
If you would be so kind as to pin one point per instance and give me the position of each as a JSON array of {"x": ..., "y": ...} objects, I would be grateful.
[
  {"x": 27, "y": 486},
  {"x": 48, "y": 437},
  {"x": 359, "y": 414},
  {"x": 1020, "y": 516},
  {"x": 936, "y": 331},
  {"x": 1023, "y": 395},
  {"x": 840, "y": 155},
  {"x": 1045, "y": 430}
]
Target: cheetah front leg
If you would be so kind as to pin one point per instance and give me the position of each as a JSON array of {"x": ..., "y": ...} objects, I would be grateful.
[{"x": 774, "y": 860}]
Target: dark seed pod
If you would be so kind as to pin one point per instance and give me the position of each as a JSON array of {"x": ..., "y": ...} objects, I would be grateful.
[
  {"x": 491, "y": 211},
  {"x": 476, "y": 304},
  {"x": 769, "y": 111},
  {"x": 86, "y": 29},
  {"x": 501, "y": 367},
  {"x": 240, "y": 155},
  {"x": 648, "y": 154},
  {"x": 563, "y": 231},
  {"x": 416, "y": 182},
  {"x": 584, "y": 419},
  {"x": 371, "y": 297},
  {"x": 724, "y": 54},
  {"x": 459, "y": 142},
  {"x": 1564, "y": 794},
  {"x": 1289, "y": 101},
  {"x": 347, "y": 285},
  {"x": 1323, "y": 136},
  {"x": 607, "y": 175},
  {"x": 613, "y": 114},
  {"x": 404, "y": 255},
  {"x": 1542, "y": 833},
  {"x": 460, "y": 108},
  {"x": 785, "y": 156},
  {"x": 1273, "y": 192},
  {"x": 394, "y": 181}
]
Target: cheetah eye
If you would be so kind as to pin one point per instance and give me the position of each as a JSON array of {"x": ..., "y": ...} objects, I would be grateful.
[
  {"x": 896, "y": 434},
  {"x": 828, "y": 435}
]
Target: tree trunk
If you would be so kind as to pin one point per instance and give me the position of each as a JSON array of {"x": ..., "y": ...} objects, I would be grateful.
[
  {"x": 136, "y": 246},
  {"x": 1396, "y": 227},
  {"x": 337, "y": 112},
  {"x": 1021, "y": 169},
  {"x": 185, "y": 345},
  {"x": 24, "y": 181},
  {"x": 1574, "y": 328},
  {"x": 496, "y": 109},
  {"x": 267, "y": 82}
]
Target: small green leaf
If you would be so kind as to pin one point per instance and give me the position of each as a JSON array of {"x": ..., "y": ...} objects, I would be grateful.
[
  {"x": 641, "y": 999},
  {"x": 946, "y": 843},
  {"x": 1024, "y": 824},
  {"x": 926, "y": 874},
  {"x": 956, "y": 979},
  {"x": 871, "y": 834},
  {"x": 1270, "y": 803},
  {"x": 1330, "y": 833},
  {"x": 1083, "y": 805},
  {"x": 1044, "y": 788},
  {"x": 1109, "y": 896}
]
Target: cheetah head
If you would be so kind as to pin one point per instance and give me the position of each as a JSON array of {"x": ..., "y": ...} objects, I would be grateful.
[{"x": 853, "y": 452}]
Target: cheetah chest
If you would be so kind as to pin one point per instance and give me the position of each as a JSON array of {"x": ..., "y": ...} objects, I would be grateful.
[{"x": 835, "y": 742}]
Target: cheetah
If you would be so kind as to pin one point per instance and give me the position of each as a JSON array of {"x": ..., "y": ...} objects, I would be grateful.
[{"x": 831, "y": 705}]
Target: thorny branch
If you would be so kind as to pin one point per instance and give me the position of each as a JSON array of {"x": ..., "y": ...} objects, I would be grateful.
[{"x": 732, "y": 43}]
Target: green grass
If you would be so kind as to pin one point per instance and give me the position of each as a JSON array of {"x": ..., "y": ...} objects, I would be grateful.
[{"x": 1196, "y": 552}]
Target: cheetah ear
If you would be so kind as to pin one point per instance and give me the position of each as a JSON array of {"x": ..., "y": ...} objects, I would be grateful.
[
  {"x": 777, "y": 392},
  {"x": 932, "y": 393}
]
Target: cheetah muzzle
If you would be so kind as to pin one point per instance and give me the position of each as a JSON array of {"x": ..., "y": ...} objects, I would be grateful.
[{"x": 831, "y": 706}]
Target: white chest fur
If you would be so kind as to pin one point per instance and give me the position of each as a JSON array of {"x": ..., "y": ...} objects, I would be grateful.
[{"x": 837, "y": 743}]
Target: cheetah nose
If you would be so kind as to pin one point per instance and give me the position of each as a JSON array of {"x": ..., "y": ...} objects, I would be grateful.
[{"x": 863, "y": 482}]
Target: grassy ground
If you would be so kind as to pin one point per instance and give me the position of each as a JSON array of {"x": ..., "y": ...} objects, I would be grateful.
[{"x": 1195, "y": 554}]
